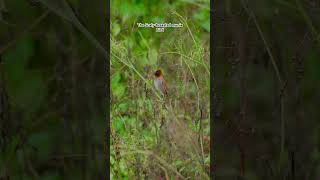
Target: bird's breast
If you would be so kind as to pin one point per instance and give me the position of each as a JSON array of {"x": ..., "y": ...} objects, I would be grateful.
[{"x": 157, "y": 83}]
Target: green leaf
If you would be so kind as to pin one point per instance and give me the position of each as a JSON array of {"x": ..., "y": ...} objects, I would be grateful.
[
  {"x": 118, "y": 124},
  {"x": 123, "y": 107},
  {"x": 149, "y": 105},
  {"x": 115, "y": 29},
  {"x": 118, "y": 89},
  {"x": 139, "y": 9},
  {"x": 203, "y": 17},
  {"x": 206, "y": 25},
  {"x": 207, "y": 160},
  {"x": 178, "y": 163},
  {"x": 115, "y": 80},
  {"x": 129, "y": 42},
  {"x": 153, "y": 55},
  {"x": 125, "y": 11}
]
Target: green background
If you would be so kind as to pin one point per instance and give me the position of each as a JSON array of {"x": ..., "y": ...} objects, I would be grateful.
[{"x": 139, "y": 147}]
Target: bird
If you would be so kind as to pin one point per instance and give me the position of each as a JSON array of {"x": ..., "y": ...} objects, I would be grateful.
[{"x": 160, "y": 84}]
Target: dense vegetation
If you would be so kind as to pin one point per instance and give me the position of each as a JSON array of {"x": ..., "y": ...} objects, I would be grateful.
[
  {"x": 266, "y": 70},
  {"x": 52, "y": 89},
  {"x": 154, "y": 137},
  {"x": 53, "y": 83}
]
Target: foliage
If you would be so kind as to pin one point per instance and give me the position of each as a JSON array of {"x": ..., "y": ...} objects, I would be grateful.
[
  {"x": 51, "y": 120},
  {"x": 155, "y": 137},
  {"x": 266, "y": 89}
]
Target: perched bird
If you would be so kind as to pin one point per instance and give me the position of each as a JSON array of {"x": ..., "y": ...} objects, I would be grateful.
[{"x": 160, "y": 84}]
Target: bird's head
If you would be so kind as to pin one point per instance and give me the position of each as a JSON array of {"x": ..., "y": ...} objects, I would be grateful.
[{"x": 158, "y": 73}]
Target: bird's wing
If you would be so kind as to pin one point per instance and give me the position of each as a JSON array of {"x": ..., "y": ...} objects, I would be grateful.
[{"x": 165, "y": 87}]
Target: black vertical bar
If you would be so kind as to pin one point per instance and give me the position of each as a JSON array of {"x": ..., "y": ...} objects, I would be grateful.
[
  {"x": 108, "y": 91},
  {"x": 211, "y": 89}
]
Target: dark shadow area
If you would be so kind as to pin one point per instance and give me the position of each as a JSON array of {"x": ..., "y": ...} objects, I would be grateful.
[
  {"x": 53, "y": 81},
  {"x": 266, "y": 70}
]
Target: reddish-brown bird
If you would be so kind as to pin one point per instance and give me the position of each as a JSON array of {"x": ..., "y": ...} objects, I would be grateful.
[{"x": 159, "y": 83}]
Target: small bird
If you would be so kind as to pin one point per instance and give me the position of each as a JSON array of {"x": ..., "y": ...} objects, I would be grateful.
[{"x": 160, "y": 84}]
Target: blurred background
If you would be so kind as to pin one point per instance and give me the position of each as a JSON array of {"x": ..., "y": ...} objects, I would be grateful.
[
  {"x": 266, "y": 69},
  {"x": 52, "y": 89},
  {"x": 152, "y": 137},
  {"x": 53, "y": 83}
]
